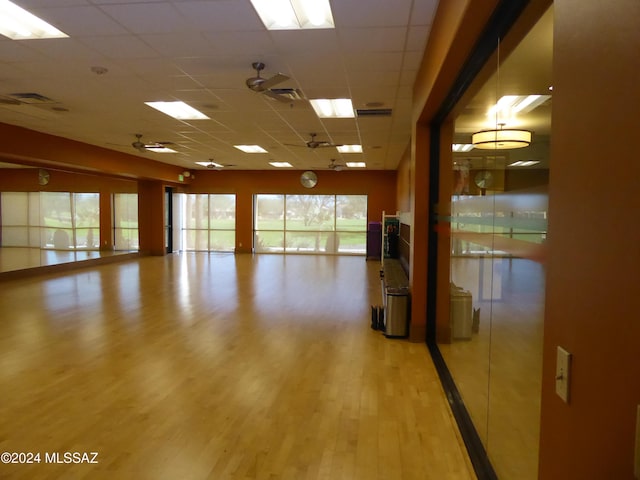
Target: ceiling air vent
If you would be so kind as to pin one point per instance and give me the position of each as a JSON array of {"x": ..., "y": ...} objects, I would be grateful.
[
  {"x": 291, "y": 93},
  {"x": 31, "y": 98},
  {"x": 373, "y": 112}
]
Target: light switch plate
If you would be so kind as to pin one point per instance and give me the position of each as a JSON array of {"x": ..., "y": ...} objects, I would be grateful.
[
  {"x": 636, "y": 460},
  {"x": 563, "y": 373}
]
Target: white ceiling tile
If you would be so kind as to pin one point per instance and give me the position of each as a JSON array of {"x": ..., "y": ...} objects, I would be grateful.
[
  {"x": 140, "y": 18},
  {"x": 201, "y": 51},
  {"x": 220, "y": 15},
  {"x": 373, "y": 13},
  {"x": 253, "y": 43},
  {"x": 187, "y": 44},
  {"x": 374, "y": 62},
  {"x": 305, "y": 41},
  {"x": 120, "y": 47},
  {"x": 78, "y": 21},
  {"x": 357, "y": 40},
  {"x": 417, "y": 38},
  {"x": 423, "y": 11}
]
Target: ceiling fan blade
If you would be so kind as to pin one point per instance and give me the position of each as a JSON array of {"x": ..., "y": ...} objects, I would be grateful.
[
  {"x": 275, "y": 96},
  {"x": 276, "y": 79}
]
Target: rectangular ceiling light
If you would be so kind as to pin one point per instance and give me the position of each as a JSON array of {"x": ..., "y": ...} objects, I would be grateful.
[
  {"x": 356, "y": 164},
  {"x": 159, "y": 149},
  {"x": 333, "y": 108},
  {"x": 523, "y": 163},
  {"x": 462, "y": 147},
  {"x": 281, "y": 164},
  {"x": 251, "y": 148},
  {"x": 18, "y": 24},
  {"x": 509, "y": 105},
  {"x": 294, "y": 14},
  {"x": 178, "y": 110},
  {"x": 350, "y": 148}
]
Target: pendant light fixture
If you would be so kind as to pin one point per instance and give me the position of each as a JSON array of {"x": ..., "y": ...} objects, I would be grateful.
[{"x": 501, "y": 138}]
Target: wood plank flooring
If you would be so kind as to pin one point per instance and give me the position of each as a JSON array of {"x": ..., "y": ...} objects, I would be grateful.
[{"x": 211, "y": 366}]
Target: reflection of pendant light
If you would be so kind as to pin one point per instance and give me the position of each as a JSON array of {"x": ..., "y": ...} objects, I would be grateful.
[{"x": 501, "y": 138}]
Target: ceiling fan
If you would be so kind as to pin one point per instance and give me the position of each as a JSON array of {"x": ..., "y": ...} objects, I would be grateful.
[
  {"x": 313, "y": 143},
  {"x": 142, "y": 146},
  {"x": 263, "y": 85},
  {"x": 336, "y": 167},
  {"x": 212, "y": 165}
]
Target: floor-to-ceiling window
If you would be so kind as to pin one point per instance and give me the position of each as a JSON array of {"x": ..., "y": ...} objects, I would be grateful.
[
  {"x": 498, "y": 217},
  {"x": 327, "y": 224},
  {"x": 207, "y": 222}
]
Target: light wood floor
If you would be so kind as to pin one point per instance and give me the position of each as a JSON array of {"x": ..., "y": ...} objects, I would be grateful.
[{"x": 201, "y": 366}]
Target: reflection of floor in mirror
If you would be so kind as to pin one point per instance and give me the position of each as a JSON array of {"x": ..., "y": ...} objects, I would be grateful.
[
  {"x": 19, "y": 258},
  {"x": 498, "y": 371}
]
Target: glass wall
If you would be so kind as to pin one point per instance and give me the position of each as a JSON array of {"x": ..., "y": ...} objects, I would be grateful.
[
  {"x": 499, "y": 211},
  {"x": 310, "y": 224}
]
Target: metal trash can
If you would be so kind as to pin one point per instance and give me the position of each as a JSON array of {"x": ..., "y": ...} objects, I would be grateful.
[
  {"x": 396, "y": 318},
  {"x": 461, "y": 314}
]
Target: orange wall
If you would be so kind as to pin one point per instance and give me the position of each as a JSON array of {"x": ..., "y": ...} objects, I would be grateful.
[
  {"x": 28, "y": 147},
  {"x": 593, "y": 284},
  {"x": 380, "y": 186}
]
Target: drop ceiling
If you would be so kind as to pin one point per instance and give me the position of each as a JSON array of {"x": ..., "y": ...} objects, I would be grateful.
[{"x": 91, "y": 87}]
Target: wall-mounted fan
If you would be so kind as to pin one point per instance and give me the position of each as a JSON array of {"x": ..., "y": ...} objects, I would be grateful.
[
  {"x": 313, "y": 143},
  {"x": 263, "y": 85}
]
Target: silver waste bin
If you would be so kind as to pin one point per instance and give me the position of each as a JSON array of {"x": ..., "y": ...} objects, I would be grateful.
[
  {"x": 461, "y": 314},
  {"x": 396, "y": 318}
]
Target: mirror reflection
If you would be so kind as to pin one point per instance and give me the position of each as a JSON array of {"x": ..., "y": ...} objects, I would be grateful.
[{"x": 499, "y": 211}]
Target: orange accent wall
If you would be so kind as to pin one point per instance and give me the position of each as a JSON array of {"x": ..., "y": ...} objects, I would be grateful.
[
  {"x": 380, "y": 186},
  {"x": 28, "y": 147},
  {"x": 593, "y": 282}
]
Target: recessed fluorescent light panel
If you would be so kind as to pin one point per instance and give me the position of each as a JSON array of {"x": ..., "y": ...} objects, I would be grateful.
[
  {"x": 294, "y": 14},
  {"x": 462, "y": 147},
  {"x": 18, "y": 24},
  {"x": 524, "y": 163},
  {"x": 251, "y": 148},
  {"x": 350, "y": 148},
  {"x": 281, "y": 164},
  {"x": 508, "y": 106},
  {"x": 356, "y": 164},
  {"x": 333, "y": 108},
  {"x": 178, "y": 110},
  {"x": 159, "y": 149}
]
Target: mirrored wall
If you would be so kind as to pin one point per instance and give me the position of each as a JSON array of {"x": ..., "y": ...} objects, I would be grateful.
[{"x": 499, "y": 211}]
